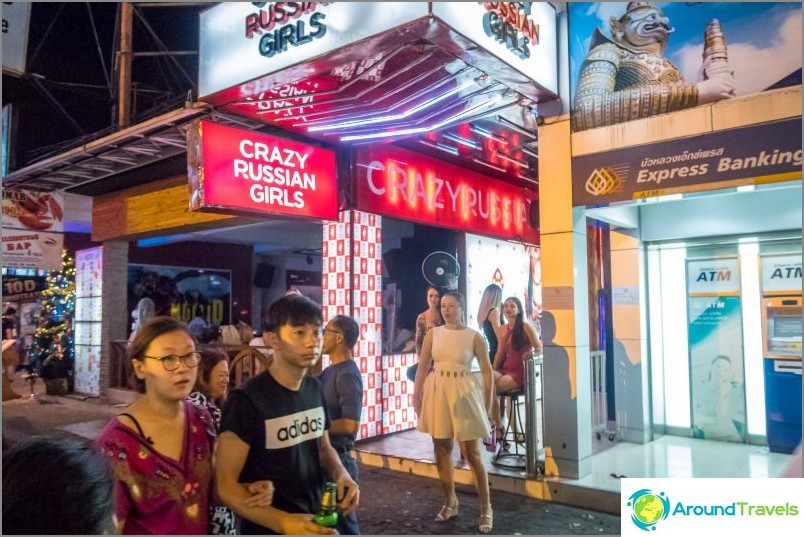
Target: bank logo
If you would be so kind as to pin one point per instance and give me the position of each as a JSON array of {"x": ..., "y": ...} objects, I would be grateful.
[
  {"x": 604, "y": 181},
  {"x": 648, "y": 508},
  {"x": 287, "y": 431}
]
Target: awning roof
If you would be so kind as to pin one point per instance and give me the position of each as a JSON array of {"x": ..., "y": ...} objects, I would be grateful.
[{"x": 108, "y": 158}]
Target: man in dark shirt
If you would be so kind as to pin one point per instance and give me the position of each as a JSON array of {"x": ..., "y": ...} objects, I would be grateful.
[
  {"x": 343, "y": 394},
  {"x": 275, "y": 428}
]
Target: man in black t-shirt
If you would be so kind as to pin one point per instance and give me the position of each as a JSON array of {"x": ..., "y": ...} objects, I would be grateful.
[
  {"x": 275, "y": 428},
  {"x": 343, "y": 394}
]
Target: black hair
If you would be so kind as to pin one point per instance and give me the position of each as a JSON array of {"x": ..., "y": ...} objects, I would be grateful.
[
  {"x": 349, "y": 327},
  {"x": 211, "y": 356},
  {"x": 57, "y": 486},
  {"x": 295, "y": 310},
  {"x": 146, "y": 333}
]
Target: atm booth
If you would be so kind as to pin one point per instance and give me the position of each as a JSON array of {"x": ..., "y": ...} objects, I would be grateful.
[{"x": 781, "y": 341}]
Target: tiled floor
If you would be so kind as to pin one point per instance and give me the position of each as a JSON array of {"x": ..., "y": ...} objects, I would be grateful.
[{"x": 667, "y": 456}]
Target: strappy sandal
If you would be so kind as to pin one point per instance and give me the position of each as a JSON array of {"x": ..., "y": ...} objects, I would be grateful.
[
  {"x": 447, "y": 512},
  {"x": 486, "y": 522}
]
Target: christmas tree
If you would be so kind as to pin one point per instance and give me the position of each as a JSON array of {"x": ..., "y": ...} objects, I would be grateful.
[{"x": 52, "y": 352}]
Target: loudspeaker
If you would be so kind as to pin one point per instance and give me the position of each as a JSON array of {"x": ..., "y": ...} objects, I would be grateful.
[{"x": 264, "y": 275}]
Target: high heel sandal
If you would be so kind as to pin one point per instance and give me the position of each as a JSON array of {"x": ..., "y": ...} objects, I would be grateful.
[
  {"x": 486, "y": 522},
  {"x": 447, "y": 511}
]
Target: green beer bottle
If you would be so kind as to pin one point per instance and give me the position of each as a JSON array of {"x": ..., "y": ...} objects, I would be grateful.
[{"x": 328, "y": 515}]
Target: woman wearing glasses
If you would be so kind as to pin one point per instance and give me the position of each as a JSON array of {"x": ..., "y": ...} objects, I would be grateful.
[{"x": 161, "y": 447}]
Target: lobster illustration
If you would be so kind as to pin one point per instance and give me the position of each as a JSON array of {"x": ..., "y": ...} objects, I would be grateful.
[{"x": 38, "y": 211}]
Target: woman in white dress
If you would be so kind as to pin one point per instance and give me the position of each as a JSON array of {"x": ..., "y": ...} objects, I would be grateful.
[{"x": 452, "y": 405}]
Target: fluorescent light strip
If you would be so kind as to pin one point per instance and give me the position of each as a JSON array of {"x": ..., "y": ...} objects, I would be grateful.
[
  {"x": 393, "y": 117},
  {"x": 460, "y": 140},
  {"x": 518, "y": 128},
  {"x": 512, "y": 160},
  {"x": 443, "y": 147},
  {"x": 488, "y": 134},
  {"x": 419, "y": 130},
  {"x": 529, "y": 179},
  {"x": 529, "y": 152},
  {"x": 489, "y": 164}
]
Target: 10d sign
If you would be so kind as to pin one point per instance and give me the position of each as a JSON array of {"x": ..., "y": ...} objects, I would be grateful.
[{"x": 22, "y": 287}]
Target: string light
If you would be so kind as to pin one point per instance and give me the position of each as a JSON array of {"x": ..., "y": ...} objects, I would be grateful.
[{"x": 53, "y": 346}]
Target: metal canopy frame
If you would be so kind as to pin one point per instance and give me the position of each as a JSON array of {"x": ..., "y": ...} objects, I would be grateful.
[{"x": 146, "y": 143}]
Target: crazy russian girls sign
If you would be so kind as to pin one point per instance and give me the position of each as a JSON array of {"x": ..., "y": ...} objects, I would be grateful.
[{"x": 237, "y": 171}]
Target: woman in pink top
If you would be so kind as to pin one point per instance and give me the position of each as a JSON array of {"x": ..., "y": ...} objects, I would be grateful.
[
  {"x": 161, "y": 448},
  {"x": 517, "y": 340}
]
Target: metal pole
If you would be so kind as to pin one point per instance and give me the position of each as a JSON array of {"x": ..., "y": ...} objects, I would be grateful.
[
  {"x": 124, "y": 66},
  {"x": 533, "y": 416}
]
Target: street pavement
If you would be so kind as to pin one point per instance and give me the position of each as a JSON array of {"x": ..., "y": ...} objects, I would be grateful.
[{"x": 391, "y": 502}]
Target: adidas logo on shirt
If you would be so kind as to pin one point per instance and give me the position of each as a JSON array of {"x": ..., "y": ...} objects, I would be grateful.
[{"x": 293, "y": 429}]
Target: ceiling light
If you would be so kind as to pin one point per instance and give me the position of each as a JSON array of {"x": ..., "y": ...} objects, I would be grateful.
[
  {"x": 518, "y": 128},
  {"x": 487, "y": 134},
  {"x": 442, "y": 147},
  {"x": 489, "y": 164}
]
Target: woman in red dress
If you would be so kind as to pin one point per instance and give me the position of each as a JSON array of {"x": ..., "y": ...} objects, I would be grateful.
[{"x": 517, "y": 340}]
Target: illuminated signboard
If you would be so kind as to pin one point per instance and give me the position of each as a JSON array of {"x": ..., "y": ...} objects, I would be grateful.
[
  {"x": 522, "y": 34},
  {"x": 405, "y": 185},
  {"x": 241, "y": 41},
  {"x": 238, "y": 171}
]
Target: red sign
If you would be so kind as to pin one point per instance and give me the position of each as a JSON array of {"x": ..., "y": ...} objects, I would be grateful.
[
  {"x": 238, "y": 171},
  {"x": 405, "y": 185}
]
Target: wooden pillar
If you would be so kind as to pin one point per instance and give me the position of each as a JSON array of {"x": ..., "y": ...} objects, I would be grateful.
[{"x": 124, "y": 65}]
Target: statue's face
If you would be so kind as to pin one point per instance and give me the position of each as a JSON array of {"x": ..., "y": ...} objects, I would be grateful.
[{"x": 645, "y": 27}]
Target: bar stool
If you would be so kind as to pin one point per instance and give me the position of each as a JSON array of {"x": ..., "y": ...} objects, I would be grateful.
[{"x": 514, "y": 436}]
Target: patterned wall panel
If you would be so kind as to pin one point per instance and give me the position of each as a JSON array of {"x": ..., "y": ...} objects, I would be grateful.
[
  {"x": 397, "y": 392},
  {"x": 352, "y": 285}
]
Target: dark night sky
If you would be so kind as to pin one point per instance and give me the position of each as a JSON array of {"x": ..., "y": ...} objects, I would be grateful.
[{"x": 69, "y": 57}]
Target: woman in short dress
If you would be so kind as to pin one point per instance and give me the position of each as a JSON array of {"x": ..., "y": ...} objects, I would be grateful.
[
  {"x": 517, "y": 341},
  {"x": 452, "y": 405}
]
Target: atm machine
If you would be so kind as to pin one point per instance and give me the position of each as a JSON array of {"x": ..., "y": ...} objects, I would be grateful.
[{"x": 781, "y": 337}]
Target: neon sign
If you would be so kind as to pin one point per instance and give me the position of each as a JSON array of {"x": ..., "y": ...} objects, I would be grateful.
[
  {"x": 402, "y": 184},
  {"x": 245, "y": 171}
]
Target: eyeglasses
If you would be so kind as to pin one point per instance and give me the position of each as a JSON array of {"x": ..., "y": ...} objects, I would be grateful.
[
  {"x": 171, "y": 362},
  {"x": 331, "y": 330}
]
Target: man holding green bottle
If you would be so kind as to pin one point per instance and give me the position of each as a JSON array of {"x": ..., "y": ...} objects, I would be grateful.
[{"x": 275, "y": 426}]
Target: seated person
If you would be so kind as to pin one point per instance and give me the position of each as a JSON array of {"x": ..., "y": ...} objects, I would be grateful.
[{"x": 517, "y": 340}]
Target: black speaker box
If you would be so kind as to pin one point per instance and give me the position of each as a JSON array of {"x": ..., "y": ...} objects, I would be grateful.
[{"x": 264, "y": 275}]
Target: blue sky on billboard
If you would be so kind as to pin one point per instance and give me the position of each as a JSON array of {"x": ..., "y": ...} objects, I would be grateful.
[{"x": 763, "y": 39}]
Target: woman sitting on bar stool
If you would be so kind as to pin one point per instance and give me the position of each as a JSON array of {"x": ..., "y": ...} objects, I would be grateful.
[{"x": 517, "y": 341}]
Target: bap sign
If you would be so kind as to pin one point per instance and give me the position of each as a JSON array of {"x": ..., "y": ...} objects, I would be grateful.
[{"x": 237, "y": 171}]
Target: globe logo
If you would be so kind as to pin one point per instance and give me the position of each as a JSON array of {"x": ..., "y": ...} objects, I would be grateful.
[{"x": 648, "y": 508}]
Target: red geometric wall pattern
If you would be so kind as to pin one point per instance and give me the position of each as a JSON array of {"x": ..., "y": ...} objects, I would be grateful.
[
  {"x": 397, "y": 393},
  {"x": 352, "y": 250}
]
